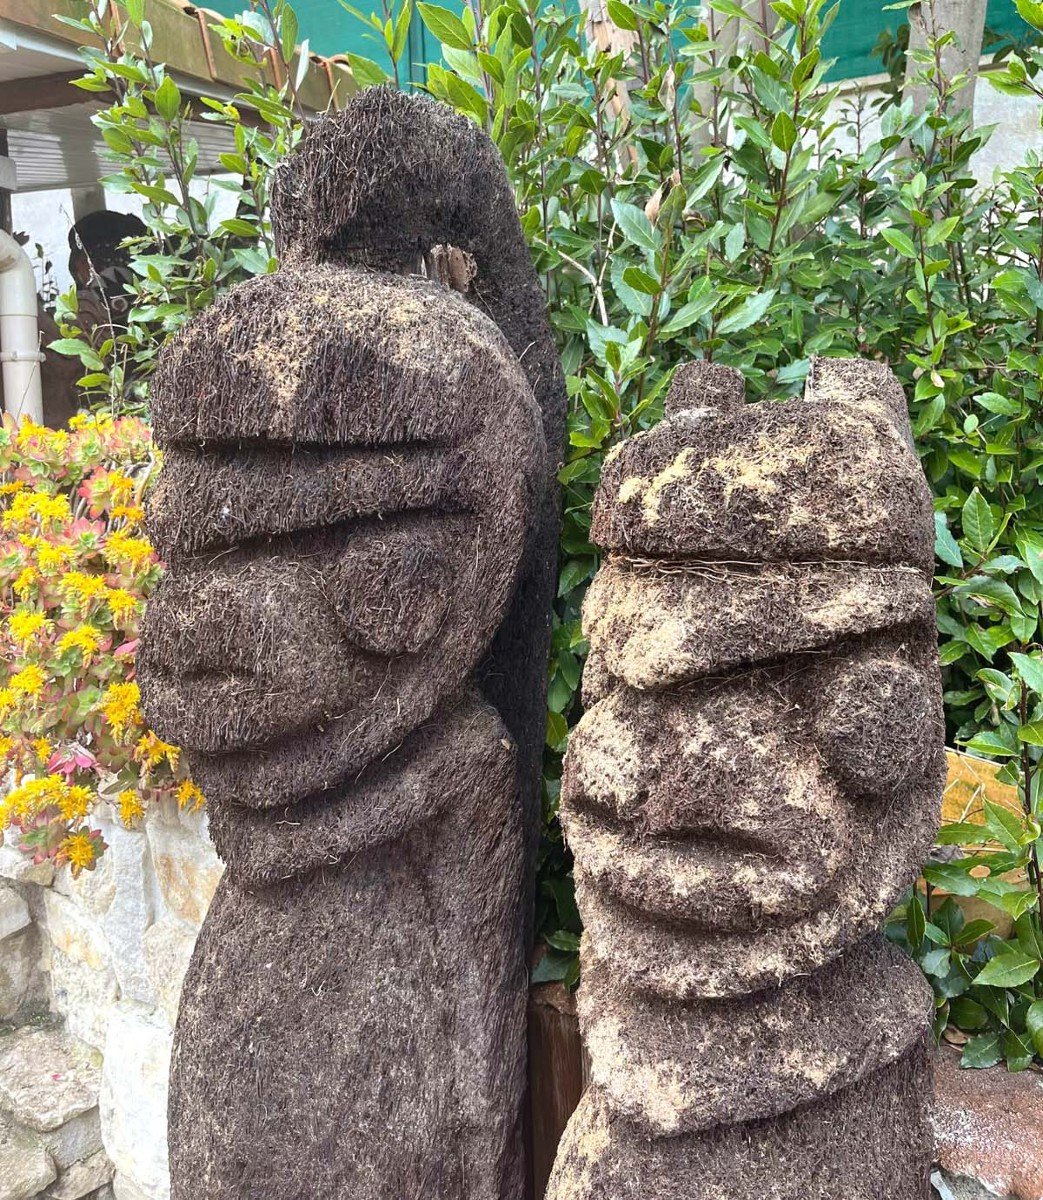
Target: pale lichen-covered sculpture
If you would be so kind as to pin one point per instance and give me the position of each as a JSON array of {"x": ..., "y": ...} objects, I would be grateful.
[
  {"x": 357, "y": 512},
  {"x": 755, "y": 782}
]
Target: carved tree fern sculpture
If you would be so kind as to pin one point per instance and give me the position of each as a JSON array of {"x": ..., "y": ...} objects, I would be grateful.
[
  {"x": 755, "y": 782},
  {"x": 358, "y": 514}
]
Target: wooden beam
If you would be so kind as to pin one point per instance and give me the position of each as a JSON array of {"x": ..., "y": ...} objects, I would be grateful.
[{"x": 41, "y": 91}]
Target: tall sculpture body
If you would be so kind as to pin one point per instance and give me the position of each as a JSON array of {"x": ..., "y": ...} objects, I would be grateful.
[
  {"x": 358, "y": 516},
  {"x": 753, "y": 785}
]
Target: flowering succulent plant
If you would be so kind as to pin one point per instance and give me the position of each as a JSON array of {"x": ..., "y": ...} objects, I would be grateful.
[{"x": 75, "y": 571}]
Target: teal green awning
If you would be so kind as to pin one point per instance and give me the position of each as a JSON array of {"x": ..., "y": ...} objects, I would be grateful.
[
  {"x": 331, "y": 30},
  {"x": 860, "y": 22}
]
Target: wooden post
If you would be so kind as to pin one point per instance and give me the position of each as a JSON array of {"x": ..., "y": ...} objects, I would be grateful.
[
  {"x": 932, "y": 19},
  {"x": 557, "y": 1074},
  {"x": 6, "y": 216}
]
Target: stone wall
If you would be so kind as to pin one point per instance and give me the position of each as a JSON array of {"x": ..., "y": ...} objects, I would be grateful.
[{"x": 90, "y": 975}]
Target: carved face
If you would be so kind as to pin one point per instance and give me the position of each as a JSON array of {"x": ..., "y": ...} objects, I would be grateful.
[
  {"x": 757, "y": 778},
  {"x": 344, "y": 501},
  {"x": 736, "y": 831}
]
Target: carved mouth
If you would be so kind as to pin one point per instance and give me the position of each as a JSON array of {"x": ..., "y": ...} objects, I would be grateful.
[
  {"x": 213, "y": 712},
  {"x": 730, "y": 883}
]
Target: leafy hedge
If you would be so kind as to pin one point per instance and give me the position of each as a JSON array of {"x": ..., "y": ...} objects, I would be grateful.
[{"x": 691, "y": 196}]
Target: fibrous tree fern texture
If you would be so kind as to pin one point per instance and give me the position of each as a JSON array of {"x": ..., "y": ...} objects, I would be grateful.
[
  {"x": 754, "y": 784},
  {"x": 358, "y": 513}
]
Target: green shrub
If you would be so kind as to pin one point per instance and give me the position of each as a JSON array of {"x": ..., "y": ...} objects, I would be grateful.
[{"x": 191, "y": 254}]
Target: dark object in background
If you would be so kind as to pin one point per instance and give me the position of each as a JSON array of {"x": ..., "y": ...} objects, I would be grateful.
[
  {"x": 100, "y": 266},
  {"x": 755, "y": 782},
  {"x": 357, "y": 510}
]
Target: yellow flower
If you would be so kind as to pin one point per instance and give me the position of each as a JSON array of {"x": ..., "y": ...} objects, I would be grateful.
[
  {"x": 31, "y": 541},
  {"x": 81, "y": 587},
  {"x": 121, "y": 603},
  {"x": 76, "y": 802},
  {"x": 43, "y": 749},
  {"x": 79, "y": 848},
  {"x": 8, "y": 700},
  {"x": 120, "y": 706},
  {"x": 121, "y": 486},
  {"x": 122, "y": 550},
  {"x": 36, "y": 507},
  {"x": 51, "y": 559},
  {"x": 188, "y": 795},
  {"x": 85, "y": 638},
  {"x": 151, "y": 751},
  {"x": 9, "y": 489},
  {"x": 131, "y": 808},
  {"x": 133, "y": 514},
  {"x": 33, "y": 795},
  {"x": 25, "y": 582},
  {"x": 6, "y": 746},
  {"x": 25, "y": 626},
  {"x": 29, "y": 680},
  {"x": 28, "y": 430},
  {"x": 54, "y": 440}
]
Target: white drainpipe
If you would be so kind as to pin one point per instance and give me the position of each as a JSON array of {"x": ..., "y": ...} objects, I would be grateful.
[{"x": 20, "y": 355}]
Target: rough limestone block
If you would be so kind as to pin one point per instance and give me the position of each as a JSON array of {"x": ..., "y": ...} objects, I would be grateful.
[
  {"x": 358, "y": 514},
  {"x": 25, "y": 1165},
  {"x": 131, "y": 911},
  {"x": 134, "y": 1101},
  {"x": 754, "y": 784},
  {"x": 77, "y": 1139},
  {"x": 47, "y": 1077},
  {"x": 186, "y": 865},
  {"x": 115, "y": 900},
  {"x": 83, "y": 984},
  {"x": 82, "y": 1179},
  {"x": 14, "y": 912},
  {"x": 22, "y": 981},
  {"x": 19, "y": 868},
  {"x": 951, "y": 1187},
  {"x": 168, "y": 946},
  {"x": 988, "y": 1128},
  {"x": 124, "y": 1188},
  {"x": 92, "y": 892}
]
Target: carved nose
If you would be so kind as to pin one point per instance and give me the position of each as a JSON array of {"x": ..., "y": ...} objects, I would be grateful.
[{"x": 234, "y": 658}]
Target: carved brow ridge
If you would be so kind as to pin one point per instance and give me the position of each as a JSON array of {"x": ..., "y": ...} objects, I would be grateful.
[
  {"x": 304, "y": 541},
  {"x": 229, "y": 448},
  {"x": 220, "y": 500}
]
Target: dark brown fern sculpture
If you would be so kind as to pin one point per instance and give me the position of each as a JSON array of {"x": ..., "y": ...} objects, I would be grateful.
[
  {"x": 358, "y": 515},
  {"x": 754, "y": 784}
]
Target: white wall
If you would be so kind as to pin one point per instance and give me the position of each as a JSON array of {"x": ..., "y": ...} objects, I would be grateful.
[
  {"x": 48, "y": 216},
  {"x": 1016, "y": 118}
]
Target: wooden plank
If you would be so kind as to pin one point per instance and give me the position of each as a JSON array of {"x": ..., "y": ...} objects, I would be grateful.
[
  {"x": 557, "y": 1074},
  {"x": 41, "y": 91},
  {"x": 181, "y": 41}
]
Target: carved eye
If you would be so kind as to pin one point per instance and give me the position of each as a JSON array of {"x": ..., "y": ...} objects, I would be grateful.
[
  {"x": 870, "y": 721},
  {"x": 393, "y": 591}
]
